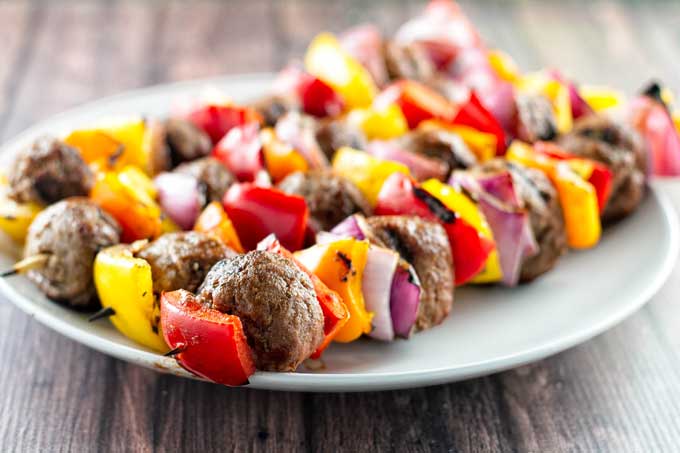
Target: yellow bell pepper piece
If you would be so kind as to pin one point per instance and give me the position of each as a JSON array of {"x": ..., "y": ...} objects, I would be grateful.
[
  {"x": 368, "y": 173},
  {"x": 600, "y": 98},
  {"x": 15, "y": 218},
  {"x": 326, "y": 60},
  {"x": 676, "y": 120},
  {"x": 124, "y": 283},
  {"x": 382, "y": 124},
  {"x": 340, "y": 265},
  {"x": 117, "y": 144},
  {"x": 577, "y": 196},
  {"x": 469, "y": 211},
  {"x": 555, "y": 91},
  {"x": 503, "y": 65},
  {"x": 482, "y": 144}
]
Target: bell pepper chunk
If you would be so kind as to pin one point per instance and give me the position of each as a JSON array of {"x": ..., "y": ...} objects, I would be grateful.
[
  {"x": 326, "y": 59},
  {"x": 280, "y": 159},
  {"x": 119, "y": 143},
  {"x": 215, "y": 222},
  {"x": 596, "y": 173},
  {"x": 15, "y": 218},
  {"x": 340, "y": 266},
  {"x": 335, "y": 313},
  {"x": 217, "y": 120},
  {"x": 473, "y": 114},
  {"x": 241, "y": 152},
  {"x": 400, "y": 195},
  {"x": 368, "y": 173},
  {"x": 601, "y": 98},
  {"x": 316, "y": 97},
  {"x": 124, "y": 283},
  {"x": 256, "y": 212},
  {"x": 137, "y": 213},
  {"x": 417, "y": 102},
  {"x": 212, "y": 344},
  {"x": 577, "y": 196},
  {"x": 379, "y": 124},
  {"x": 470, "y": 212}
]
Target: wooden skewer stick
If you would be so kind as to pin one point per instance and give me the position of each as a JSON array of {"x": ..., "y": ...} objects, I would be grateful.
[
  {"x": 103, "y": 313},
  {"x": 32, "y": 262}
]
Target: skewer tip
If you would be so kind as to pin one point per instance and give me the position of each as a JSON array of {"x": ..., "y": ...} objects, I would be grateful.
[
  {"x": 103, "y": 313},
  {"x": 174, "y": 352}
]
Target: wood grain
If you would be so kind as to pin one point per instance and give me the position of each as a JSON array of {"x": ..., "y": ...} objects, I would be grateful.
[{"x": 619, "y": 392}]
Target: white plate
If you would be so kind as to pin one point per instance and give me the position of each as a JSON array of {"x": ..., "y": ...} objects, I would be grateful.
[{"x": 490, "y": 329}]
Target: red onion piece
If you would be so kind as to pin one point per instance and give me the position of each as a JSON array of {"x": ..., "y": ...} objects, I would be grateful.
[
  {"x": 181, "y": 197},
  {"x": 377, "y": 286},
  {"x": 364, "y": 43},
  {"x": 404, "y": 299},
  {"x": 421, "y": 167},
  {"x": 299, "y": 132},
  {"x": 350, "y": 227},
  {"x": 654, "y": 123}
]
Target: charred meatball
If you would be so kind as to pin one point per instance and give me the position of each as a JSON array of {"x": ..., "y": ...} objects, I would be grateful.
[
  {"x": 619, "y": 147},
  {"x": 276, "y": 303},
  {"x": 425, "y": 245},
  {"x": 212, "y": 174},
  {"x": 160, "y": 158},
  {"x": 330, "y": 197},
  {"x": 49, "y": 171},
  {"x": 185, "y": 141},
  {"x": 273, "y": 107},
  {"x": 69, "y": 233},
  {"x": 444, "y": 146},
  {"x": 540, "y": 198},
  {"x": 535, "y": 119},
  {"x": 333, "y": 134},
  {"x": 182, "y": 260}
]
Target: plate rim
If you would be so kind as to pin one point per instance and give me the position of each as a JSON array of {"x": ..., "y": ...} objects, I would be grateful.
[{"x": 324, "y": 382}]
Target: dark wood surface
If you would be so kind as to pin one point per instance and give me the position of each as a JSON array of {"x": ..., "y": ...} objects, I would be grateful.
[{"x": 619, "y": 392}]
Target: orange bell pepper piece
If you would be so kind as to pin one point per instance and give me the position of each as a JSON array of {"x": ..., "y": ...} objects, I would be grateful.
[
  {"x": 280, "y": 159},
  {"x": 215, "y": 222}
]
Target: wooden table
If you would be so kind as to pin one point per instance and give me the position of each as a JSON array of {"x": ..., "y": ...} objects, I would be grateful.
[{"x": 618, "y": 392}]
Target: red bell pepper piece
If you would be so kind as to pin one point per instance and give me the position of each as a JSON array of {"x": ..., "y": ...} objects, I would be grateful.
[
  {"x": 417, "y": 102},
  {"x": 216, "y": 120},
  {"x": 335, "y": 313},
  {"x": 475, "y": 115},
  {"x": 316, "y": 97},
  {"x": 256, "y": 212},
  {"x": 400, "y": 195},
  {"x": 213, "y": 344},
  {"x": 600, "y": 175},
  {"x": 241, "y": 152}
]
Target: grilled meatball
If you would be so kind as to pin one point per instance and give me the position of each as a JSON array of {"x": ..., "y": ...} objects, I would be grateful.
[
  {"x": 535, "y": 119},
  {"x": 330, "y": 197},
  {"x": 441, "y": 145},
  {"x": 273, "y": 107},
  {"x": 182, "y": 260},
  {"x": 70, "y": 232},
  {"x": 185, "y": 141},
  {"x": 619, "y": 147},
  {"x": 49, "y": 171},
  {"x": 425, "y": 245},
  {"x": 212, "y": 174},
  {"x": 540, "y": 198},
  {"x": 160, "y": 158},
  {"x": 276, "y": 303},
  {"x": 407, "y": 62},
  {"x": 333, "y": 134}
]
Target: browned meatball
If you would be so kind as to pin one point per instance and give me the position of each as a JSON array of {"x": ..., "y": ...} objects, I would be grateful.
[
  {"x": 333, "y": 134},
  {"x": 212, "y": 174},
  {"x": 49, "y": 171},
  {"x": 70, "y": 232},
  {"x": 182, "y": 260},
  {"x": 277, "y": 305},
  {"x": 425, "y": 245},
  {"x": 441, "y": 145},
  {"x": 535, "y": 119},
  {"x": 540, "y": 198},
  {"x": 273, "y": 107},
  {"x": 160, "y": 158},
  {"x": 185, "y": 140},
  {"x": 622, "y": 150},
  {"x": 330, "y": 197},
  {"x": 407, "y": 62}
]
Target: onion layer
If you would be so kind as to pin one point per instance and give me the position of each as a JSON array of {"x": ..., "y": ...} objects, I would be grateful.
[{"x": 181, "y": 197}]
